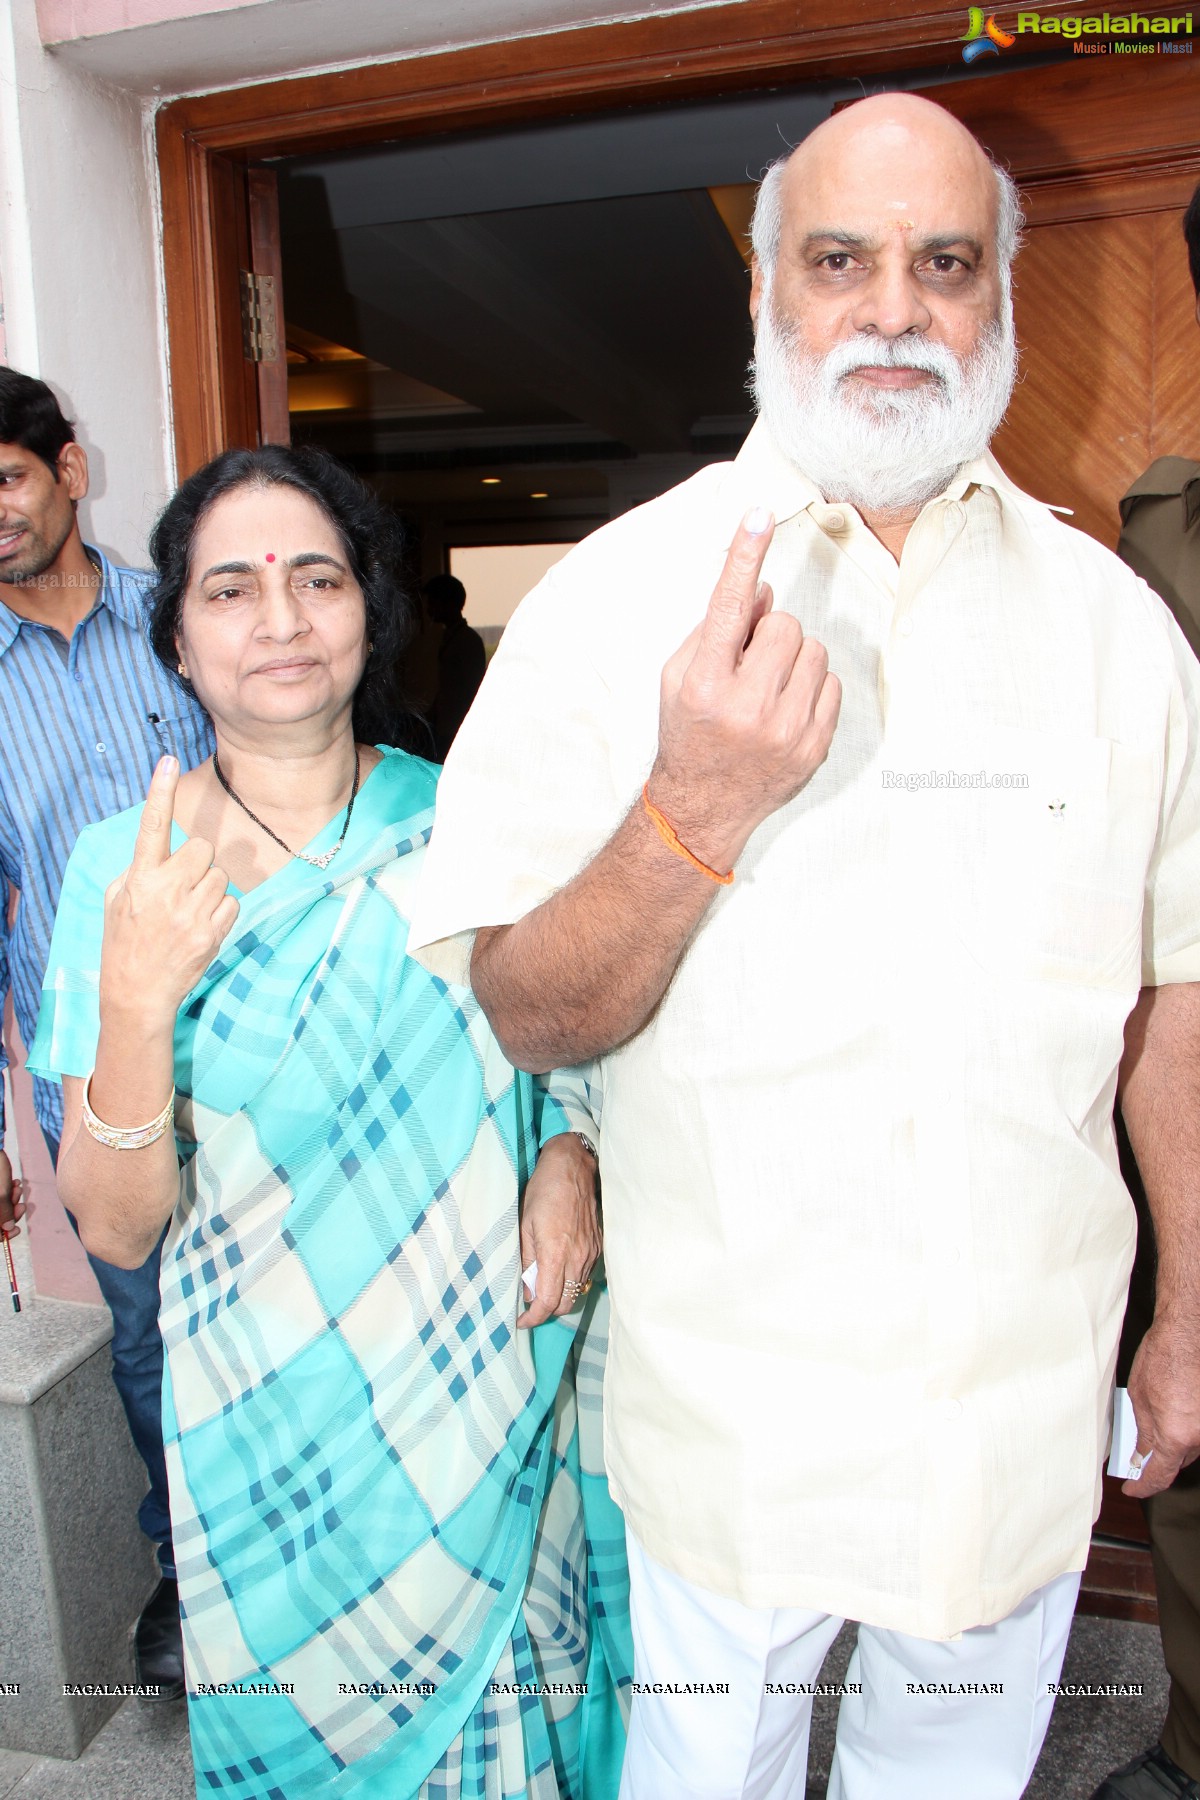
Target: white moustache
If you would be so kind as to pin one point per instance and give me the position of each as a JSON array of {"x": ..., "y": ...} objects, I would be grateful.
[
  {"x": 865, "y": 352},
  {"x": 877, "y": 447}
]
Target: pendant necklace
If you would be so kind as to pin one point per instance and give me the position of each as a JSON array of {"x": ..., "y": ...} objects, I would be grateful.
[{"x": 317, "y": 862}]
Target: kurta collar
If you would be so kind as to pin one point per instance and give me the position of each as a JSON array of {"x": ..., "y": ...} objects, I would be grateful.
[{"x": 769, "y": 479}]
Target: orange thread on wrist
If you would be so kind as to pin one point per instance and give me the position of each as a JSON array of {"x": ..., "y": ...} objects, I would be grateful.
[{"x": 667, "y": 833}]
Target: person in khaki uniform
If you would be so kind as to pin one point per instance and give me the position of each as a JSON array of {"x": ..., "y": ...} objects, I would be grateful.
[
  {"x": 1160, "y": 515},
  {"x": 1160, "y": 540}
]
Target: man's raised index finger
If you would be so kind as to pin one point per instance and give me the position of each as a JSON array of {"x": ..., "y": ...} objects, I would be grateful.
[
  {"x": 731, "y": 609},
  {"x": 153, "y": 845}
]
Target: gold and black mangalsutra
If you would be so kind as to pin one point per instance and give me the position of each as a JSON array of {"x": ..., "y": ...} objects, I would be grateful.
[{"x": 317, "y": 862}]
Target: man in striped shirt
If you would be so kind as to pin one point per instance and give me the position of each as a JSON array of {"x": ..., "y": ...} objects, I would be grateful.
[{"x": 87, "y": 710}]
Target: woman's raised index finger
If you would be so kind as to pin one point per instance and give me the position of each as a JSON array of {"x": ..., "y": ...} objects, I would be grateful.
[
  {"x": 730, "y": 613},
  {"x": 153, "y": 845}
]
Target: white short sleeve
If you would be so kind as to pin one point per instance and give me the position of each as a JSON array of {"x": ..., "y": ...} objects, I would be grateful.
[{"x": 528, "y": 794}]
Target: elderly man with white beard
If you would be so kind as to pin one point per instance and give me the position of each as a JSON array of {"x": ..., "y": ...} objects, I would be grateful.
[{"x": 843, "y": 802}]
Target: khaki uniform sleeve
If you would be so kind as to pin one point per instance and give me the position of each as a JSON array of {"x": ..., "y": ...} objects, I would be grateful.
[
  {"x": 1160, "y": 538},
  {"x": 1171, "y": 921}
]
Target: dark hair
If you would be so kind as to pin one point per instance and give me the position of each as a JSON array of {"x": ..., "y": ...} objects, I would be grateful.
[
  {"x": 370, "y": 533},
  {"x": 446, "y": 590},
  {"x": 31, "y": 416},
  {"x": 1191, "y": 232}
]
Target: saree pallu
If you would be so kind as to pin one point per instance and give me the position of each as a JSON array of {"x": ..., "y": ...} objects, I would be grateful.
[{"x": 400, "y": 1570}]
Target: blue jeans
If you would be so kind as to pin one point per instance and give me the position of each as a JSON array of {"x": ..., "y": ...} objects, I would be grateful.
[{"x": 137, "y": 1366}]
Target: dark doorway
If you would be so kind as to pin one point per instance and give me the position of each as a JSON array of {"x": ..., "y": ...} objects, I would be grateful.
[{"x": 516, "y": 335}]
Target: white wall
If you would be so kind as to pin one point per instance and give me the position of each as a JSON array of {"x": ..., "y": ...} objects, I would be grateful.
[
  {"x": 79, "y": 270},
  {"x": 80, "y": 265},
  {"x": 184, "y": 46}
]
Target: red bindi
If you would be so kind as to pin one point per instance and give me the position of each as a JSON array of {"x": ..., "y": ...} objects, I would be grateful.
[{"x": 270, "y": 556}]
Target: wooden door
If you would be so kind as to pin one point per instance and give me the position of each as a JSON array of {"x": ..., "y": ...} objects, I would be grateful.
[
  {"x": 1107, "y": 157},
  {"x": 223, "y": 270},
  {"x": 698, "y": 52},
  {"x": 1109, "y": 369},
  {"x": 264, "y": 280}
]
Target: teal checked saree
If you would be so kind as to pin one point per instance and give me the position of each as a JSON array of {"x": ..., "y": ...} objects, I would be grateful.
[{"x": 401, "y": 1574}]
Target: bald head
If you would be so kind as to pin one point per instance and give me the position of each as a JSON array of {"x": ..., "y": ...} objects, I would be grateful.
[
  {"x": 874, "y": 134},
  {"x": 896, "y": 161}
]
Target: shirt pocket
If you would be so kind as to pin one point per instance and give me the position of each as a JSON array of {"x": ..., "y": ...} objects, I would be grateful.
[
  {"x": 1047, "y": 868},
  {"x": 167, "y": 733}
]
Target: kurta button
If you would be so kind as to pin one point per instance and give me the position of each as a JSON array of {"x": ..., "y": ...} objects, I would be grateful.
[
  {"x": 905, "y": 628},
  {"x": 835, "y": 521},
  {"x": 951, "y": 1409}
]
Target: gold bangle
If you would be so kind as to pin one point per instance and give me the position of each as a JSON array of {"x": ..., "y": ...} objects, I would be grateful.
[{"x": 126, "y": 1137}]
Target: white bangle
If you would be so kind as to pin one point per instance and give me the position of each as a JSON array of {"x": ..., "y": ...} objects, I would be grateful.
[{"x": 126, "y": 1137}]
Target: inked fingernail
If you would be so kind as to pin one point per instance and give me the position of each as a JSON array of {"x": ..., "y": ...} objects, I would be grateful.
[
  {"x": 757, "y": 520},
  {"x": 167, "y": 765}
]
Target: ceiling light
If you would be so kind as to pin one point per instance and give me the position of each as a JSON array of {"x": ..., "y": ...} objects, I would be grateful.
[
  {"x": 491, "y": 481},
  {"x": 539, "y": 496}
]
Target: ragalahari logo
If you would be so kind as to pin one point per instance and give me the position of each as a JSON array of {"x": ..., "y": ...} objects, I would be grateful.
[{"x": 983, "y": 37}]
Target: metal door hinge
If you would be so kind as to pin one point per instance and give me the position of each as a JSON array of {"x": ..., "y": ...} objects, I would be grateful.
[{"x": 260, "y": 319}]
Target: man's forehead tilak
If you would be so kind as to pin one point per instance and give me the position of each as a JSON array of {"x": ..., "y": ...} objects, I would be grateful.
[
  {"x": 817, "y": 212},
  {"x": 952, "y": 184}
]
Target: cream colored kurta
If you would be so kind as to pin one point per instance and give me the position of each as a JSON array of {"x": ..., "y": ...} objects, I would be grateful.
[{"x": 866, "y": 1237}]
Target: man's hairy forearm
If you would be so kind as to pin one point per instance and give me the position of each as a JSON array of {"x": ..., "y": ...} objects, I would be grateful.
[
  {"x": 746, "y": 714},
  {"x": 583, "y": 972},
  {"x": 1160, "y": 1102}
]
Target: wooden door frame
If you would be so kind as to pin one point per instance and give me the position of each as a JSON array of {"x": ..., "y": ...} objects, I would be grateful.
[{"x": 203, "y": 141}]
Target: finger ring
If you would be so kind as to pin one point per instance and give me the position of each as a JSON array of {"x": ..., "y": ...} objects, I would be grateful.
[{"x": 575, "y": 1290}]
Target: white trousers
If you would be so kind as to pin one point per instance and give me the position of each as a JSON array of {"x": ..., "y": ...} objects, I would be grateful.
[{"x": 892, "y": 1744}]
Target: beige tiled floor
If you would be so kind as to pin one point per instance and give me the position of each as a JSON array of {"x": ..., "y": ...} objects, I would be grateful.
[{"x": 142, "y": 1753}]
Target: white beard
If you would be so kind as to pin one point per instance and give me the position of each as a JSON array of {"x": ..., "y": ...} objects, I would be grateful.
[{"x": 883, "y": 450}]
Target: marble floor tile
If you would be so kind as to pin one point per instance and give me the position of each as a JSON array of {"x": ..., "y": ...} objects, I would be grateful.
[
  {"x": 143, "y": 1753},
  {"x": 13, "y": 1765}
]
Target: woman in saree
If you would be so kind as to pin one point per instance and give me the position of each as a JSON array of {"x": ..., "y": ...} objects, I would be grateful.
[{"x": 400, "y": 1573}]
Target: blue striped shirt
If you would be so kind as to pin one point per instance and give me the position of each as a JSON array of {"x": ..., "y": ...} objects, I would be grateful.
[{"x": 84, "y": 724}]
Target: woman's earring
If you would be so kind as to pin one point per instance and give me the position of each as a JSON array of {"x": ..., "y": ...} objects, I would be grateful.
[{"x": 183, "y": 671}]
